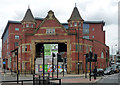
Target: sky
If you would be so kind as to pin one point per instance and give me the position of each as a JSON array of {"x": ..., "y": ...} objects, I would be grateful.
[{"x": 90, "y": 10}]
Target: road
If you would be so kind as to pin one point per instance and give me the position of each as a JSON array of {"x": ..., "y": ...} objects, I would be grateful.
[{"x": 114, "y": 78}]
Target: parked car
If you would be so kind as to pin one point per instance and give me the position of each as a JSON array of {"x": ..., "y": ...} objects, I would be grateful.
[
  {"x": 108, "y": 70},
  {"x": 115, "y": 68},
  {"x": 119, "y": 68},
  {"x": 100, "y": 72}
]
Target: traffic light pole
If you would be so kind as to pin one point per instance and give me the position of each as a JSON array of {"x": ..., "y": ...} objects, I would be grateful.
[
  {"x": 43, "y": 64},
  {"x": 57, "y": 65},
  {"x": 86, "y": 67},
  {"x": 90, "y": 56},
  {"x": 52, "y": 67},
  {"x": 90, "y": 70},
  {"x": 17, "y": 67},
  {"x": 63, "y": 67}
]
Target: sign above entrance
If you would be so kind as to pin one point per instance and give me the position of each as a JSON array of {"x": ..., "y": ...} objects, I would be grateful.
[{"x": 49, "y": 49}]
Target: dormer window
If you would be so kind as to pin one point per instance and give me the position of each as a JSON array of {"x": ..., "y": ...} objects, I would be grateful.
[
  {"x": 27, "y": 25},
  {"x": 75, "y": 24}
]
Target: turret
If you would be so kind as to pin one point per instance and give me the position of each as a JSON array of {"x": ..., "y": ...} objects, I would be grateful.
[
  {"x": 75, "y": 20},
  {"x": 28, "y": 21}
]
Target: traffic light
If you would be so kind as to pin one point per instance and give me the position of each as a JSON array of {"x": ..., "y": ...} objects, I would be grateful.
[
  {"x": 16, "y": 53},
  {"x": 87, "y": 57},
  {"x": 64, "y": 60},
  {"x": 95, "y": 57},
  {"x": 53, "y": 54},
  {"x": 59, "y": 59},
  {"x": 90, "y": 55}
]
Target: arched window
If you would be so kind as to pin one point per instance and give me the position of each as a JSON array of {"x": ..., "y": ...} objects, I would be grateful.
[{"x": 102, "y": 55}]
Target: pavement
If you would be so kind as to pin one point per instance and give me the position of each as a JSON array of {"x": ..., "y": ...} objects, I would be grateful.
[{"x": 68, "y": 78}]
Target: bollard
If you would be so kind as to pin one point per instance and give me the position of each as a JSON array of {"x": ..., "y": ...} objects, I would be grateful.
[{"x": 39, "y": 79}]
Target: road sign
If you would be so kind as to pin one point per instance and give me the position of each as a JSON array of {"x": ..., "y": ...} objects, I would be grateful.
[{"x": 4, "y": 62}]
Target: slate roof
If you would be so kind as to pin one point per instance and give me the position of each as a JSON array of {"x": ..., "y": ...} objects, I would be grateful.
[
  {"x": 75, "y": 15},
  {"x": 28, "y": 16}
]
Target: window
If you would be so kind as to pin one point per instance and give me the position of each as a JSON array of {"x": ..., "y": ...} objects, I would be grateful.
[
  {"x": 86, "y": 49},
  {"x": 92, "y": 29},
  {"x": 71, "y": 25},
  {"x": 80, "y": 47},
  {"x": 102, "y": 55},
  {"x": 16, "y": 36},
  {"x": 16, "y": 29},
  {"x": 16, "y": 43},
  {"x": 7, "y": 46},
  {"x": 85, "y": 28},
  {"x": 27, "y": 25},
  {"x": 93, "y": 36},
  {"x": 25, "y": 47},
  {"x": 86, "y": 37},
  {"x": 31, "y": 25},
  {"x": 50, "y": 31},
  {"x": 75, "y": 24},
  {"x": 79, "y": 24},
  {"x": 90, "y": 49},
  {"x": 7, "y": 53}
]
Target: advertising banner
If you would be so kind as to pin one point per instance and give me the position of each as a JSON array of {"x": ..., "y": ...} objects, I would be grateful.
[
  {"x": 48, "y": 68},
  {"x": 49, "y": 49}
]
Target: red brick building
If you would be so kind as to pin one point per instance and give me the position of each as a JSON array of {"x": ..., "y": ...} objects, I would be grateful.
[{"x": 75, "y": 38}]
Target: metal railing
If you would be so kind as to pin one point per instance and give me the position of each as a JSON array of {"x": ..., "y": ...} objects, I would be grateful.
[{"x": 38, "y": 80}]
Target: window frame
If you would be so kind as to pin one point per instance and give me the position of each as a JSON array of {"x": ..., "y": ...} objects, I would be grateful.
[
  {"x": 86, "y": 29},
  {"x": 23, "y": 50},
  {"x": 17, "y": 29},
  {"x": 102, "y": 54},
  {"x": 70, "y": 24},
  {"x": 86, "y": 37},
  {"x": 50, "y": 31},
  {"x": 75, "y": 24},
  {"x": 25, "y": 47},
  {"x": 31, "y": 25},
  {"x": 17, "y": 36},
  {"x": 27, "y": 25},
  {"x": 16, "y": 44}
]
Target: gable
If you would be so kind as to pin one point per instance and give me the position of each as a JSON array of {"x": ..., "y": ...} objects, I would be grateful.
[{"x": 50, "y": 23}]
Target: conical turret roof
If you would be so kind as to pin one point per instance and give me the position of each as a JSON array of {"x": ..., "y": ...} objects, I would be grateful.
[
  {"x": 75, "y": 16},
  {"x": 28, "y": 16}
]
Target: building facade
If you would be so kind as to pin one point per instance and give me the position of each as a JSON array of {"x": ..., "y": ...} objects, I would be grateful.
[{"x": 74, "y": 39}]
